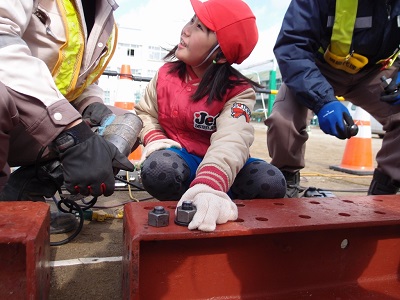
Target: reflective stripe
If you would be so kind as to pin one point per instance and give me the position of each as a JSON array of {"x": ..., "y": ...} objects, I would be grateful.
[
  {"x": 361, "y": 23},
  {"x": 66, "y": 71},
  {"x": 67, "y": 68},
  {"x": 96, "y": 73}
]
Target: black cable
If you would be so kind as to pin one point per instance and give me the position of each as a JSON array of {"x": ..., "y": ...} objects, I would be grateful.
[
  {"x": 128, "y": 182},
  {"x": 38, "y": 157},
  {"x": 70, "y": 204}
]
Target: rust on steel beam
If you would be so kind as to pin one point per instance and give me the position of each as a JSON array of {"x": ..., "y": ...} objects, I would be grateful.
[
  {"x": 318, "y": 248},
  {"x": 24, "y": 250}
]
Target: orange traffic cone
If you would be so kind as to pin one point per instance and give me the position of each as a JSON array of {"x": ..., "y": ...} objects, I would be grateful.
[
  {"x": 357, "y": 158},
  {"x": 125, "y": 95},
  {"x": 136, "y": 154}
]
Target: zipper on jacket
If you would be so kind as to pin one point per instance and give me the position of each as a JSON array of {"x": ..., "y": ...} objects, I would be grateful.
[
  {"x": 388, "y": 8},
  {"x": 45, "y": 19}
]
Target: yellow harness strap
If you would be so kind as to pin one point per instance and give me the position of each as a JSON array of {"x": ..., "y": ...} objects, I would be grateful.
[
  {"x": 388, "y": 62},
  {"x": 338, "y": 52},
  {"x": 342, "y": 32}
]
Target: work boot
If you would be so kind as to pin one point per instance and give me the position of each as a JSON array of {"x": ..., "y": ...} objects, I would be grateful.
[
  {"x": 293, "y": 187},
  {"x": 382, "y": 184},
  {"x": 62, "y": 222},
  {"x": 35, "y": 183}
]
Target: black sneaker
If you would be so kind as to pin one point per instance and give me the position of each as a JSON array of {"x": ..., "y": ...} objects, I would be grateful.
[
  {"x": 293, "y": 188},
  {"x": 62, "y": 222}
]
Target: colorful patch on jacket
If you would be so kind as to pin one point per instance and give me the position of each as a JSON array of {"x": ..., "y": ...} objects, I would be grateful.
[
  {"x": 204, "y": 121},
  {"x": 239, "y": 109}
]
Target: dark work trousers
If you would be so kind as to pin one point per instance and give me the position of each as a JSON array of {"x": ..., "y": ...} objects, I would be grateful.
[{"x": 287, "y": 124}]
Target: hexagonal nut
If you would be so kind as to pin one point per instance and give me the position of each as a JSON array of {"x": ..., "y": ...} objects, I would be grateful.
[
  {"x": 158, "y": 217},
  {"x": 185, "y": 213}
]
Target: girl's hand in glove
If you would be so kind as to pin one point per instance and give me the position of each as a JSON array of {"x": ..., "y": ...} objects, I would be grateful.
[
  {"x": 158, "y": 145},
  {"x": 213, "y": 207}
]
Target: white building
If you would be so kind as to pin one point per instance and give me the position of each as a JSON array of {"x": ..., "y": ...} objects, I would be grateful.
[
  {"x": 144, "y": 58},
  {"x": 144, "y": 55}
]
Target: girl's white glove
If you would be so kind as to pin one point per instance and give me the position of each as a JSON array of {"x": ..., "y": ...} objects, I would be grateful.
[
  {"x": 212, "y": 207},
  {"x": 158, "y": 145}
]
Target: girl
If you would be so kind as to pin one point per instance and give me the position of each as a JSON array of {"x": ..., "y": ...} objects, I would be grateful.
[{"x": 196, "y": 119}]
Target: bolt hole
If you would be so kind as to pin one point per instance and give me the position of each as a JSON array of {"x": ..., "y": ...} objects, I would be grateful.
[
  {"x": 377, "y": 199},
  {"x": 314, "y": 202},
  {"x": 348, "y": 201},
  {"x": 261, "y": 219},
  {"x": 344, "y": 244},
  {"x": 344, "y": 214},
  {"x": 304, "y": 217},
  {"x": 379, "y": 212},
  {"x": 278, "y": 203},
  {"x": 239, "y": 220}
]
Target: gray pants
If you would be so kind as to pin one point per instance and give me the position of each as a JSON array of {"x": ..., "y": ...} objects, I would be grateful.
[
  {"x": 287, "y": 135},
  {"x": 16, "y": 146}
]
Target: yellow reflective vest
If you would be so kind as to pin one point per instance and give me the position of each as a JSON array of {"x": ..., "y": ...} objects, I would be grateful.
[{"x": 46, "y": 47}]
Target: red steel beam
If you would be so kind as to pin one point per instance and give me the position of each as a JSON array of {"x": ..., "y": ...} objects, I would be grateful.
[
  {"x": 24, "y": 250},
  {"x": 318, "y": 248}
]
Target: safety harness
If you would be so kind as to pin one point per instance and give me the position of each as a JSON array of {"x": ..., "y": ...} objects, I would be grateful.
[{"x": 338, "y": 54}]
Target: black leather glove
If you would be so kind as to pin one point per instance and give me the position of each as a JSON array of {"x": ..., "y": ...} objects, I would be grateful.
[
  {"x": 89, "y": 161},
  {"x": 95, "y": 113}
]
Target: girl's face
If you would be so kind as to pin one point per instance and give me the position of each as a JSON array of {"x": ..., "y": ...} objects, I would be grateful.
[{"x": 196, "y": 43}]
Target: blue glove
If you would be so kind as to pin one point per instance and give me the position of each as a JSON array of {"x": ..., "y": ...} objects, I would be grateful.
[
  {"x": 334, "y": 119},
  {"x": 391, "y": 94}
]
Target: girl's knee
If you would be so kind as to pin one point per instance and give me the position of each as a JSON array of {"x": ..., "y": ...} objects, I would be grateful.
[
  {"x": 259, "y": 180},
  {"x": 164, "y": 175}
]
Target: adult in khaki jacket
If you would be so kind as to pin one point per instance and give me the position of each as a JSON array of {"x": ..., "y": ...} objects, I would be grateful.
[{"x": 52, "y": 52}]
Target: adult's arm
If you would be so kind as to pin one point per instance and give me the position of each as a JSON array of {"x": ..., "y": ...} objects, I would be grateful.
[{"x": 296, "y": 49}]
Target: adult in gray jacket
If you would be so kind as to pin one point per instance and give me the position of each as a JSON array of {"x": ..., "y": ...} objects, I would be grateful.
[{"x": 52, "y": 53}]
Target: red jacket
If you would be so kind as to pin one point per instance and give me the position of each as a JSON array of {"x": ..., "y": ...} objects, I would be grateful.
[{"x": 220, "y": 132}]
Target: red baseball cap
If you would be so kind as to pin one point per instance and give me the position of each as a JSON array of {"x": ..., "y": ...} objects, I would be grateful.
[{"x": 234, "y": 24}]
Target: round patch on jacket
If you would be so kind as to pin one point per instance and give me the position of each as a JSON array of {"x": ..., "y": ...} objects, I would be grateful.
[{"x": 239, "y": 109}]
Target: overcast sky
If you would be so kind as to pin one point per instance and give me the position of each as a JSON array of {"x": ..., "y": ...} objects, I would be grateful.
[{"x": 163, "y": 20}]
